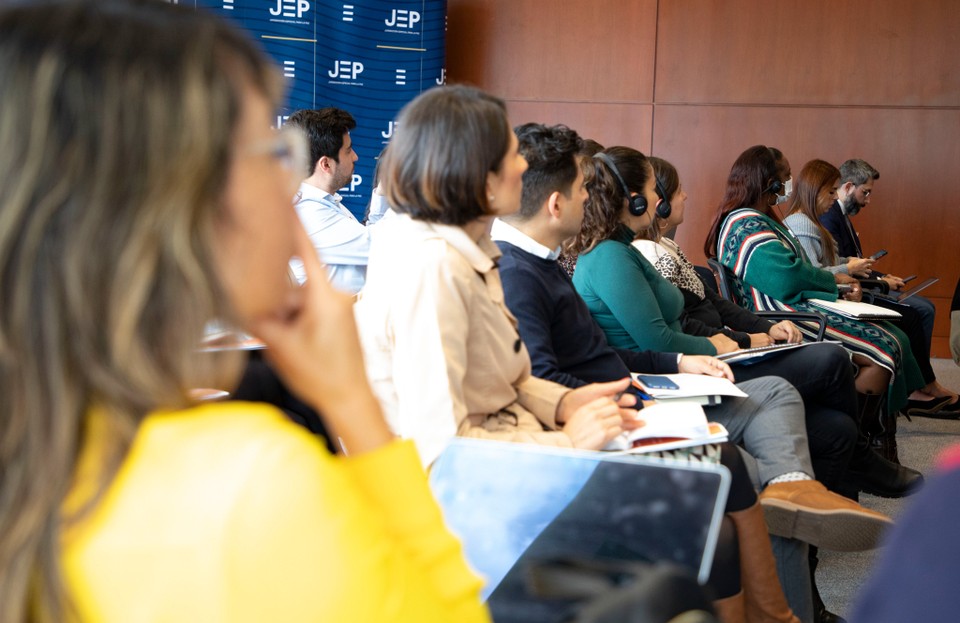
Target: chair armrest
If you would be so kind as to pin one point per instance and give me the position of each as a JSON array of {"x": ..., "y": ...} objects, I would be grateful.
[{"x": 816, "y": 317}]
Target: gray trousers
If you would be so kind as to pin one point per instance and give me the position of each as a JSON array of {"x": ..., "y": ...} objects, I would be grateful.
[{"x": 769, "y": 424}]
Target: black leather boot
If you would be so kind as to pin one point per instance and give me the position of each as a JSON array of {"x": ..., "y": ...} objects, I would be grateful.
[
  {"x": 871, "y": 473},
  {"x": 878, "y": 426},
  {"x": 872, "y": 470}
]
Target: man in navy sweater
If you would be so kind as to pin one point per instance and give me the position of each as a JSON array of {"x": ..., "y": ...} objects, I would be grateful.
[{"x": 565, "y": 343}]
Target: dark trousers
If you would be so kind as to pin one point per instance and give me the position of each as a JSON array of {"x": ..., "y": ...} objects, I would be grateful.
[{"x": 914, "y": 324}]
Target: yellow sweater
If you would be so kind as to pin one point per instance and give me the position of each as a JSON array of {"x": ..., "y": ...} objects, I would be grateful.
[{"x": 228, "y": 512}]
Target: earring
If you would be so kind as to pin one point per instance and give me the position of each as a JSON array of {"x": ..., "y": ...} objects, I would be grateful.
[{"x": 490, "y": 198}]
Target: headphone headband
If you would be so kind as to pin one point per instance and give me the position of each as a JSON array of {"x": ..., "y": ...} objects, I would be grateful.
[
  {"x": 637, "y": 203},
  {"x": 663, "y": 206}
]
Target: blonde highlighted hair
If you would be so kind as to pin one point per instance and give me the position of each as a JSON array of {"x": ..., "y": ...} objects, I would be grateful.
[{"x": 116, "y": 123}]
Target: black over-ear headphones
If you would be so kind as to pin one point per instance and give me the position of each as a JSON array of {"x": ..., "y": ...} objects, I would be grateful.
[
  {"x": 775, "y": 187},
  {"x": 637, "y": 204},
  {"x": 663, "y": 206}
]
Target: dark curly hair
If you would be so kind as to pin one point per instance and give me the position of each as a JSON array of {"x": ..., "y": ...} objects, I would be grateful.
[
  {"x": 604, "y": 207},
  {"x": 551, "y": 154}
]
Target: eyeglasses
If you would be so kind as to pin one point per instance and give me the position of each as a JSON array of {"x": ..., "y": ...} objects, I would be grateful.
[
  {"x": 866, "y": 193},
  {"x": 289, "y": 148}
]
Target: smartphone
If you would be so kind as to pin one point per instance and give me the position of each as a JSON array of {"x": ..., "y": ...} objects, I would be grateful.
[
  {"x": 878, "y": 254},
  {"x": 843, "y": 288},
  {"x": 909, "y": 279},
  {"x": 656, "y": 382}
]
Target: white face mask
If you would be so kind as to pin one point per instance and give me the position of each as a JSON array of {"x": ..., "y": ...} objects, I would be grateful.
[{"x": 787, "y": 191}]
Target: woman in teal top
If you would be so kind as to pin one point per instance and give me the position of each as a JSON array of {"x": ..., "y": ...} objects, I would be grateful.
[{"x": 634, "y": 305}]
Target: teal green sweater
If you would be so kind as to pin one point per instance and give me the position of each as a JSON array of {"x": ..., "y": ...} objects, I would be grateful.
[{"x": 634, "y": 305}]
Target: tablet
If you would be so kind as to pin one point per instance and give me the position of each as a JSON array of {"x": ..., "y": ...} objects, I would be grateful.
[{"x": 513, "y": 503}]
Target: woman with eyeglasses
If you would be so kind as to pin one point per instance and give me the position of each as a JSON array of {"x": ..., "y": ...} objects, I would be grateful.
[
  {"x": 145, "y": 195},
  {"x": 772, "y": 273}
]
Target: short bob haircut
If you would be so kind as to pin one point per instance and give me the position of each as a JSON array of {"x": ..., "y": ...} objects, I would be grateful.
[{"x": 446, "y": 142}]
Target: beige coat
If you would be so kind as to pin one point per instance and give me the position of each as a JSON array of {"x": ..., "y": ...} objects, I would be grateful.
[{"x": 442, "y": 350}]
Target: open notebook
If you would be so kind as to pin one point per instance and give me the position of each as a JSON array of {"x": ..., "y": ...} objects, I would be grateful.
[{"x": 512, "y": 504}]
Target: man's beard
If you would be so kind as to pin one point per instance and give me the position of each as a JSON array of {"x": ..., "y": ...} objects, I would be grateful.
[
  {"x": 853, "y": 206},
  {"x": 341, "y": 178}
]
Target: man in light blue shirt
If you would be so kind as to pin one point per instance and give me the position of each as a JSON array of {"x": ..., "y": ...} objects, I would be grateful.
[{"x": 342, "y": 242}]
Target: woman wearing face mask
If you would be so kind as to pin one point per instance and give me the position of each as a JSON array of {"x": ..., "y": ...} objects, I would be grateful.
[
  {"x": 145, "y": 194},
  {"x": 816, "y": 192},
  {"x": 771, "y": 273}
]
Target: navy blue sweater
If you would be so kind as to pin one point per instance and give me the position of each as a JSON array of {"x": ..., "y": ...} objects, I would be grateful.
[{"x": 565, "y": 343}]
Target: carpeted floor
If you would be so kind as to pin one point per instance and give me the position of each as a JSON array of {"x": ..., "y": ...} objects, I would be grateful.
[{"x": 840, "y": 575}]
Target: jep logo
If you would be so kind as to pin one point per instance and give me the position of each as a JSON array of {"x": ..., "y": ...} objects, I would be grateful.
[
  {"x": 402, "y": 18},
  {"x": 291, "y": 8},
  {"x": 443, "y": 76},
  {"x": 355, "y": 181},
  {"x": 391, "y": 126},
  {"x": 346, "y": 70}
]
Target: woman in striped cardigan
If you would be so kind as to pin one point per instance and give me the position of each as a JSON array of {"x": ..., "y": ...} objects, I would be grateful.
[{"x": 772, "y": 273}]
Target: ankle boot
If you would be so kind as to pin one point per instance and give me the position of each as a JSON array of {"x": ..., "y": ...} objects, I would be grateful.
[
  {"x": 878, "y": 425},
  {"x": 871, "y": 473},
  {"x": 762, "y": 593},
  {"x": 730, "y": 609},
  {"x": 885, "y": 443}
]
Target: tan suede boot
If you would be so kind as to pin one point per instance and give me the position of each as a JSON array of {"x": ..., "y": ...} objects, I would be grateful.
[
  {"x": 763, "y": 596},
  {"x": 730, "y": 609}
]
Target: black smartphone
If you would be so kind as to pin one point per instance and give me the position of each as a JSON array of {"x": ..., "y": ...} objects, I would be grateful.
[
  {"x": 843, "y": 288},
  {"x": 909, "y": 279},
  {"x": 878, "y": 254},
  {"x": 656, "y": 382}
]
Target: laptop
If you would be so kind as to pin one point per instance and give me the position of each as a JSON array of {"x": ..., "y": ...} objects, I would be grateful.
[
  {"x": 905, "y": 294},
  {"x": 514, "y": 504}
]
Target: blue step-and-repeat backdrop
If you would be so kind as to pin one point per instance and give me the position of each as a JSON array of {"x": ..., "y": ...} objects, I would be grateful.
[{"x": 369, "y": 57}]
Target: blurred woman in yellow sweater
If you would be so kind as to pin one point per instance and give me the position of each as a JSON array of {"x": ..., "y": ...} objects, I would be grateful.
[{"x": 145, "y": 194}]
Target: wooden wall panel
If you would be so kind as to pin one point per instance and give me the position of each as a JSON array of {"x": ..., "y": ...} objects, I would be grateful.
[
  {"x": 913, "y": 213},
  {"x": 557, "y": 50},
  {"x": 855, "y": 52},
  {"x": 608, "y": 124},
  {"x": 911, "y": 209},
  {"x": 697, "y": 81}
]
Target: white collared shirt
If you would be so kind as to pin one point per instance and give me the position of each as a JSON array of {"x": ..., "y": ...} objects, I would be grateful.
[
  {"x": 341, "y": 241},
  {"x": 505, "y": 232}
]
